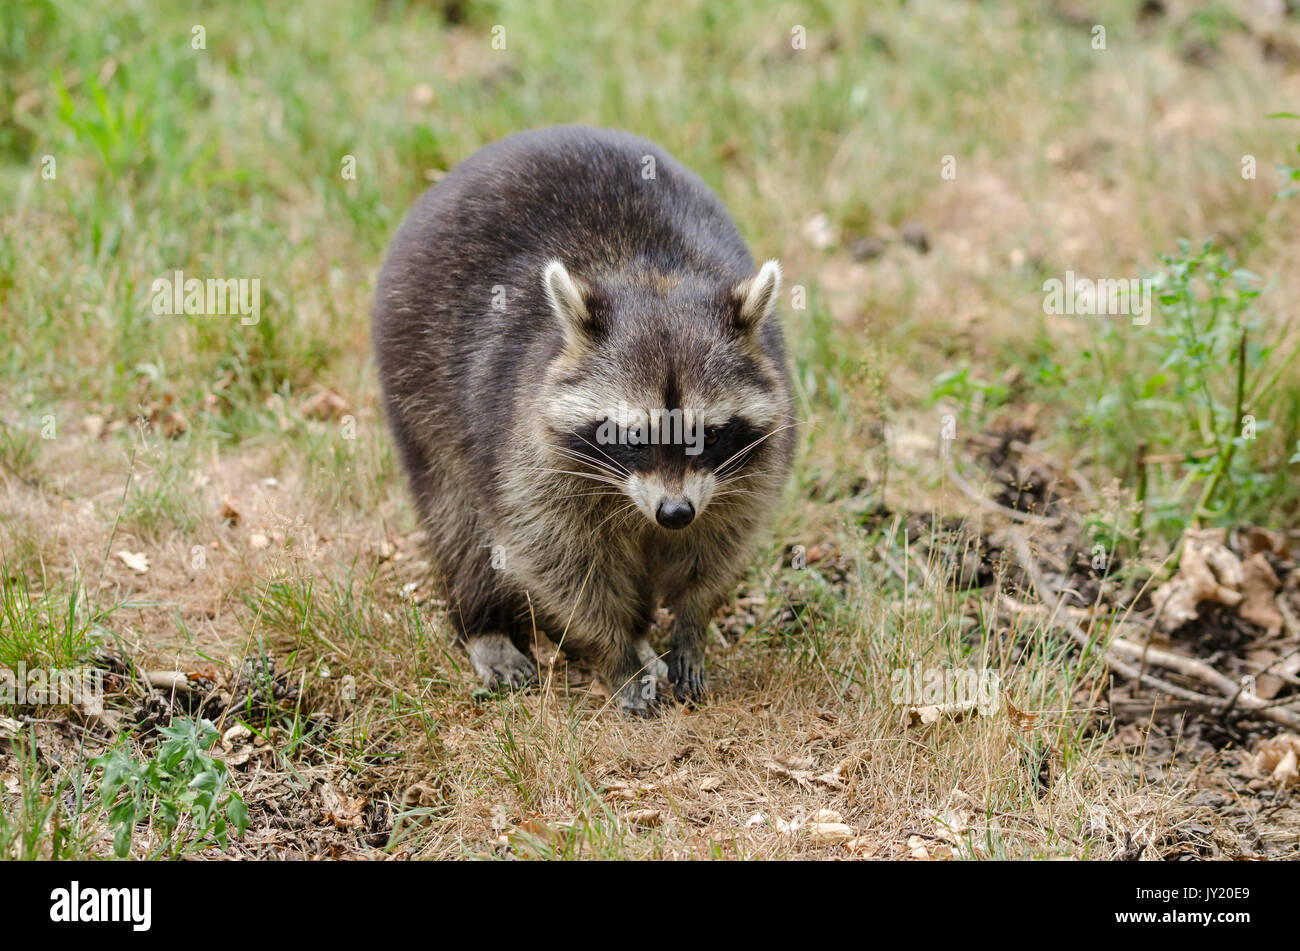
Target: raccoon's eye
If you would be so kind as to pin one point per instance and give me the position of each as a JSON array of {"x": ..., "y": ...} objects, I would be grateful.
[
  {"x": 634, "y": 439},
  {"x": 710, "y": 435}
]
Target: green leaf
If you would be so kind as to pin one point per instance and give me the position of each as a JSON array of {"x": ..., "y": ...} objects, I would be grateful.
[
  {"x": 122, "y": 840},
  {"x": 238, "y": 813}
]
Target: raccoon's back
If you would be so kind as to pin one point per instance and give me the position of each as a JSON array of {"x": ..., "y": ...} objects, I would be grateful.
[{"x": 460, "y": 321}]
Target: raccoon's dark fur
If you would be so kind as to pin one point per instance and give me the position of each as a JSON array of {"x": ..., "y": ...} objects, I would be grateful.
[{"x": 547, "y": 284}]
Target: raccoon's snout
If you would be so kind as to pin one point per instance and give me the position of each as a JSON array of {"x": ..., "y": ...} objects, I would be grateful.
[
  {"x": 671, "y": 505},
  {"x": 674, "y": 513}
]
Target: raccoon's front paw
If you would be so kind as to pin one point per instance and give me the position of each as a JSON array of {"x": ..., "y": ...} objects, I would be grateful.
[
  {"x": 686, "y": 673},
  {"x": 638, "y": 697},
  {"x": 496, "y": 659}
]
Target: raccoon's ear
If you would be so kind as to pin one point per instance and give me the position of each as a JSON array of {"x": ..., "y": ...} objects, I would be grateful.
[
  {"x": 570, "y": 300},
  {"x": 754, "y": 299}
]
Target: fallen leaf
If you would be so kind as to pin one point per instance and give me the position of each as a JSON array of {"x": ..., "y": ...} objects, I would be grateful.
[
  {"x": 1267, "y": 685},
  {"x": 1258, "y": 586},
  {"x": 1258, "y": 539},
  {"x": 802, "y": 776},
  {"x": 795, "y": 762},
  {"x": 137, "y": 561},
  {"x": 343, "y": 812},
  {"x": 860, "y": 845},
  {"x": 829, "y": 833},
  {"x": 932, "y": 713},
  {"x": 170, "y": 680},
  {"x": 831, "y": 779},
  {"x": 793, "y": 825},
  {"x": 1020, "y": 719},
  {"x": 1276, "y": 757},
  {"x": 423, "y": 794},
  {"x": 1208, "y": 571},
  {"x": 230, "y": 511},
  {"x": 537, "y": 829},
  {"x": 1287, "y": 772},
  {"x": 928, "y": 850},
  {"x": 236, "y": 734}
]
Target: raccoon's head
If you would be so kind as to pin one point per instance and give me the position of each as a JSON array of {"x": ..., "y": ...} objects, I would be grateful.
[{"x": 668, "y": 389}]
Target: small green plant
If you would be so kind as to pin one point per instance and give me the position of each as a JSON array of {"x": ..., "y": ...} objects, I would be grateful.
[
  {"x": 1209, "y": 349},
  {"x": 179, "y": 780},
  {"x": 30, "y": 826},
  {"x": 973, "y": 395},
  {"x": 1197, "y": 382}
]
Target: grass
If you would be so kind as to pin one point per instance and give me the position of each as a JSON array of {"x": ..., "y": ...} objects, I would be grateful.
[
  {"x": 127, "y": 153},
  {"x": 54, "y": 630}
]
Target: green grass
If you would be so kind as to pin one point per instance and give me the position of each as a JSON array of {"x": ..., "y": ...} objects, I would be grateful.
[
  {"x": 56, "y": 629},
  {"x": 35, "y": 824}
]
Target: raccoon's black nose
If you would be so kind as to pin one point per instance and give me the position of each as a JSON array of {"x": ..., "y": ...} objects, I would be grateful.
[{"x": 671, "y": 514}]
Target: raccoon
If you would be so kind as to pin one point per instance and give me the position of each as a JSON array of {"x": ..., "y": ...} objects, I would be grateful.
[{"x": 588, "y": 389}]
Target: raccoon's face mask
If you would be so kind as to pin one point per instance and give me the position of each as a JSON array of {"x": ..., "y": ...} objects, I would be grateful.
[{"x": 666, "y": 394}]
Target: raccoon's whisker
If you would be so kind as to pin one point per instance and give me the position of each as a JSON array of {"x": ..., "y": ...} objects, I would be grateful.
[
  {"x": 621, "y": 510},
  {"x": 593, "y": 476},
  {"x": 612, "y": 461},
  {"x": 588, "y": 460},
  {"x": 596, "y": 467},
  {"x": 721, "y": 492},
  {"x": 741, "y": 452},
  {"x": 727, "y": 480},
  {"x": 612, "y": 468},
  {"x": 587, "y": 495},
  {"x": 630, "y": 514},
  {"x": 760, "y": 439}
]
